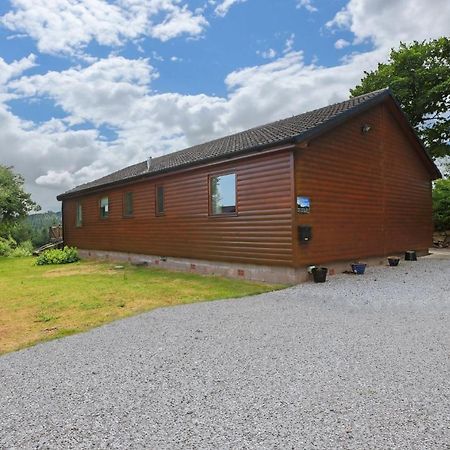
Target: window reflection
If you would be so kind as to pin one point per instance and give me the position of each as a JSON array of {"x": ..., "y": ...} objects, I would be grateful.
[{"x": 223, "y": 194}]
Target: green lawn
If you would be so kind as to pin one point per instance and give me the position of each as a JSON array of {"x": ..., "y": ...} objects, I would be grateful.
[{"x": 39, "y": 303}]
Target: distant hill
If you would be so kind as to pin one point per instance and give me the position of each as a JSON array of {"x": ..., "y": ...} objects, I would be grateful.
[
  {"x": 35, "y": 228},
  {"x": 38, "y": 225},
  {"x": 44, "y": 220}
]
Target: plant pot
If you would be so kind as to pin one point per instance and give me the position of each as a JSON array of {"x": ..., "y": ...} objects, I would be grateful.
[
  {"x": 359, "y": 268},
  {"x": 393, "y": 260},
  {"x": 410, "y": 255},
  {"x": 319, "y": 274}
]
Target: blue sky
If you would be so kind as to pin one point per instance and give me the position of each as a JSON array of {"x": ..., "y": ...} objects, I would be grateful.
[
  {"x": 238, "y": 40},
  {"x": 90, "y": 86}
]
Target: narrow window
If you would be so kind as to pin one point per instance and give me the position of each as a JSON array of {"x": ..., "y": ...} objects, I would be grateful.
[
  {"x": 223, "y": 194},
  {"x": 303, "y": 205},
  {"x": 104, "y": 207},
  {"x": 159, "y": 200},
  {"x": 128, "y": 204},
  {"x": 79, "y": 215}
]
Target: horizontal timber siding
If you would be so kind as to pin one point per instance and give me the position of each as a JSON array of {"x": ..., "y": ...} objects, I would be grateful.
[
  {"x": 370, "y": 193},
  {"x": 261, "y": 232}
]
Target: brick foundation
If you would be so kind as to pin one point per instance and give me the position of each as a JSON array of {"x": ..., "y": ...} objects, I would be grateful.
[{"x": 269, "y": 274}]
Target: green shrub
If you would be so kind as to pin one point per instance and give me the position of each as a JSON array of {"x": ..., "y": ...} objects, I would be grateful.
[
  {"x": 441, "y": 204},
  {"x": 7, "y": 245},
  {"x": 57, "y": 256},
  {"x": 23, "y": 249}
]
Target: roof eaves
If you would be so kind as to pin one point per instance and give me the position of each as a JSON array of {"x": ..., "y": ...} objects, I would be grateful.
[
  {"x": 435, "y": 169},
  {"x": 282, "y": 143},
  {"x": 316, "y": 131},
  {"x": 343, "y": 117},
  {"x": 381, "y": 97}
]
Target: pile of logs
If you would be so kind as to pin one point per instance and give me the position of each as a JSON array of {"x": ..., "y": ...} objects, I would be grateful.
[{"x": 441, "y": 239}]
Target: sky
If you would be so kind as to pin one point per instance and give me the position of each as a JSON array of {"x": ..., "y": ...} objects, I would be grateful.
[{"x": 90, "y": 86}]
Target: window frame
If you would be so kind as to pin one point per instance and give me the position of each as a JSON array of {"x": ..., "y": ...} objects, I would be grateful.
[
  {"x": 159, "y": 213},
  {"x": 78, "y": 217},
  {"x": 100, "y": 208},
  {"x": 126, "y": 215},
  {"x": 222, "y": 174}
]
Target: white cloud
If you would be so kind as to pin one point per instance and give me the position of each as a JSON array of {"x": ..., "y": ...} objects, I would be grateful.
[
  {"x": 341, "y": 43},
  {"x": 307, "y": 4},
  {"x": 387, "y": 22},
  {"x": 224, "y": 6},
  {"x": 56, "y": 179},
  {"x": 289, "y": 45},
  {"x": 267, "y": 54},
  {"x": 16, "y": 68},
  {"x": 156, "y": 56},
  {"x": 104, "y": 92},
  {"x": 288, "y": 86},
  {"x": 36, "y": 151},
  {"x": 67, "y": 26},
  {"x": 177, "y": 22},
  {"x": 342, "y": 19}
]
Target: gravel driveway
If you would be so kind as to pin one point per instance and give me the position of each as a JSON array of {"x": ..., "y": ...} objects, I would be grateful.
[{"x": 360, "y": 362}]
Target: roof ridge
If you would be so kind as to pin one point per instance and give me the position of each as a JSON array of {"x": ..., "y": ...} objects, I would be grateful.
[
  {"x": 371, "y": 94},
  {"x": 259, "y": 127},
  {"x": 285, "y": 130}
]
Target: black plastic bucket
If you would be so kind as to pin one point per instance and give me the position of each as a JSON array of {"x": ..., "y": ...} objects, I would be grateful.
[
  {"x": 393, "y": 261},
  {"x": 410, "y": 255},
  {"x": 319, "y": 274}
]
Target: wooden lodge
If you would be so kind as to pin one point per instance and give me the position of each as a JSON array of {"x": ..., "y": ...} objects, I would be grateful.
[{"x": 350, "y": 181}]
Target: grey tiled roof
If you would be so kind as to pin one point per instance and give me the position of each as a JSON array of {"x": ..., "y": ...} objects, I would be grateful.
[{"x": 287, "y": 130}]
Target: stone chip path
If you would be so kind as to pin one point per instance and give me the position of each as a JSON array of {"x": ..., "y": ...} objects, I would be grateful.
[{"x": 359, "y": 362}]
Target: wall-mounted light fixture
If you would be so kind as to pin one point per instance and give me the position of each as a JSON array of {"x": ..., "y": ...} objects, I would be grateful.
[{"x": 366, "y": 128}]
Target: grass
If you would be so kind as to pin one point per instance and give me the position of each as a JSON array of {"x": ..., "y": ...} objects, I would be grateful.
[{"x": 39, "y": 303}]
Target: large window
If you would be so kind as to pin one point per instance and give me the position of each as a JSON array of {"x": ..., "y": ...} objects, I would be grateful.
[
  {"x": 104, "y": 207},
  {"x": 128, "y": 204},
  {"x": 160, "y": 200},
  {"x": 223, "y": 194},
  {"x": 79, "y": 215}
]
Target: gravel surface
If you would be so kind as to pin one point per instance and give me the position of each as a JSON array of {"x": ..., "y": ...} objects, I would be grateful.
[{"x": 360, "y": 362}]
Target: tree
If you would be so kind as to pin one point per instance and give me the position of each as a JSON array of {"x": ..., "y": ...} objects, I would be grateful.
[
  {"x": 419, "y": 76},
  {"x": 21, "y": 231},
  {"x": 441, "y": 205},
  {"x": 15, "y": 203}
]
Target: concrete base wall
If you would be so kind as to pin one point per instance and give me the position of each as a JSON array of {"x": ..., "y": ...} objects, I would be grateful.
[{"x": 269, "y": 274}]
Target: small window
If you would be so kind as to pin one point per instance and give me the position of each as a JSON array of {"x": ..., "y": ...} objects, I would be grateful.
[
  {"x": 104, "y": 207},
  {"x": 159, "y": 200},
  {"x": 303, "y": 205},
  {"x": 223, "y": 194},
  {"x": 79, "y": 215},
  {"x": 128, "y": 204}
]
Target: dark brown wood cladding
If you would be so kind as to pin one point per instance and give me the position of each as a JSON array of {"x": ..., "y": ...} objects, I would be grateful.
[
  {"x": 370, "y": 192},
  {"x": 370, "y": 196},
  {"x": 260, "y": 233}
]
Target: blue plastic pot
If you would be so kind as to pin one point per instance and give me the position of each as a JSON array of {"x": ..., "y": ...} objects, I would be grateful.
[{"x": 359, "y": 268}]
